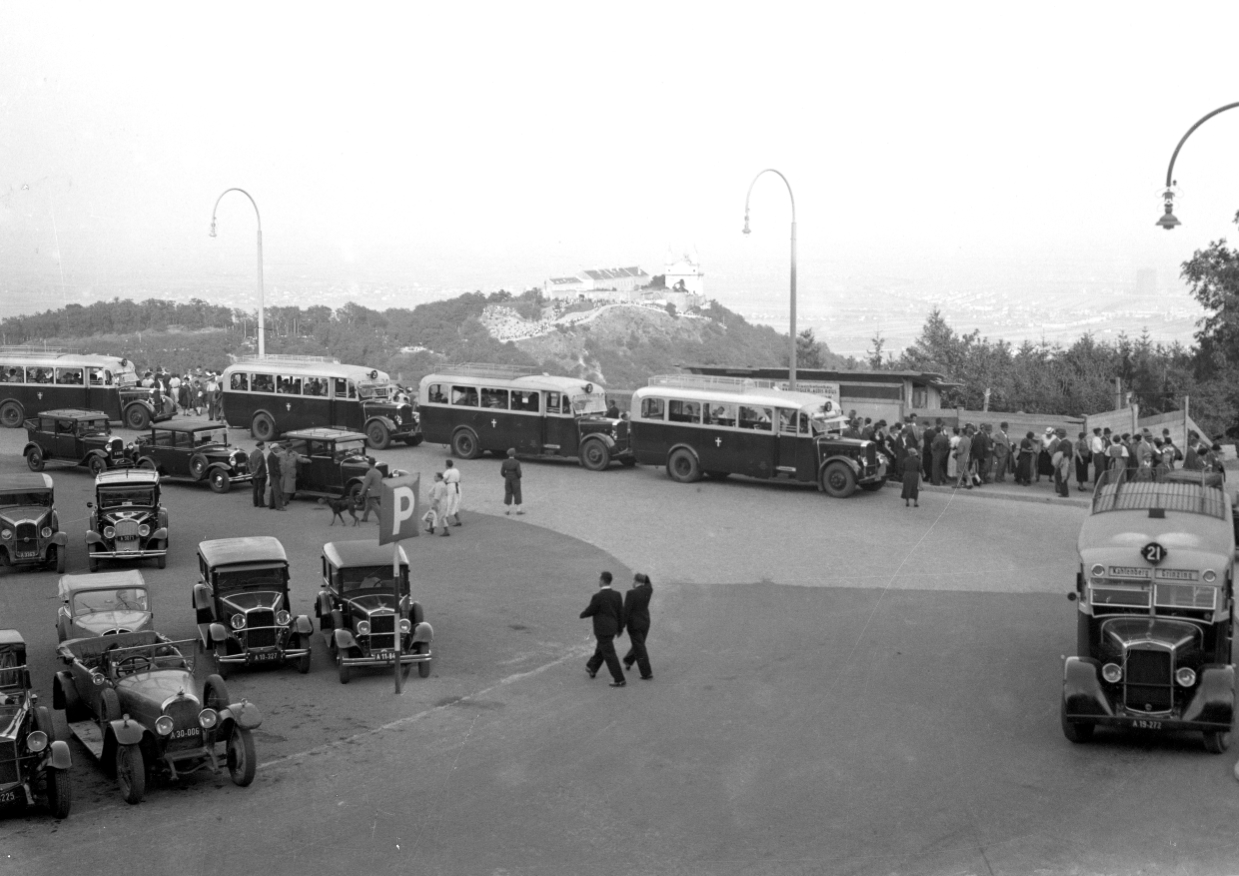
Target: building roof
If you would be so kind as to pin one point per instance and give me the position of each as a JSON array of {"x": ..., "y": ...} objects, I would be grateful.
[
  {"x": 614, "y": 273},
  {"x": 929, "y": 378},
  {"x": 564, "y": 281}
]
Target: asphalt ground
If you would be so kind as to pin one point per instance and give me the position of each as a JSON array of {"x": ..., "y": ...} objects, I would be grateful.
[{"x": 840, "y": 687}]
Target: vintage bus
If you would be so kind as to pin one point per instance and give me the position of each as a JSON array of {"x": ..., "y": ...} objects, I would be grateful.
[
  {"x": 33, "y": 381},
  {"x": 1155, "y": 596},
  {"x": 274, "y": 395},
  {"x": 495, "y": 407},
  {"x": 720, "y": 426}
]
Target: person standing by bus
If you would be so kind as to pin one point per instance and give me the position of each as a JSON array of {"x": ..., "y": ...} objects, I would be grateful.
[
  {"x": 258, "y": 468},
  {"x": 451, "y": 480},
  {"x": 511, "y": 472}
]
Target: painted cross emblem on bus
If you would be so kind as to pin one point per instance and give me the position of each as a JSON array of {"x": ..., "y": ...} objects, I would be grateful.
[
  {"x": 494, "y": 423},
  {"x": 718, "y": 442},
  {"x": 40, "y": 395},
  {"x": 288, "y": 406}
]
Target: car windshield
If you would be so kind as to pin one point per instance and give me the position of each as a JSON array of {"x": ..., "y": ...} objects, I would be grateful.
[
  {"x": 370, "y": 389},
  {"x": 113, "y": 498},
  {"x": 350, "y": 447},
  {"x": 369, "y": 578},
  {"x": 16, "y": 499},
  {"x": 593, "y": 403},
  {"x": 11, "y": 660},
  {"x": 126, "y": 599},
  {"x": 272, "y": 578},
  {"x": 211, "y": 436}
]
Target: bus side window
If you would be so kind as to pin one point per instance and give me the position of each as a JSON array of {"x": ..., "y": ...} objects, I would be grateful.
[
  {"x": 465, "y": 395},
  {"x": 552, "y": 402},
  {"x": 288, "y": 384},
  {"x": 495, "y": 398},
  {"x": 94, "y": 376},
  {"x": 239, "y": 381},
  {"x": 14, "y": 374},
  {"x": 723, "y": 415},
  {"x": 352, "y": 389},
  {"x": 804, "y": 424},
  {"x": 262, "y": 383},
  {"x": 683, "y": 411},
  {"x": 524, "y": 401},
  {"x": 435, "y": 395},
  {"x": 652, "y": 408}
]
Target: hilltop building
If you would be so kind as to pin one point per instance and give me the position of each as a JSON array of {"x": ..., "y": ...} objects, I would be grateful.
[{"x": 596, "y": 283}]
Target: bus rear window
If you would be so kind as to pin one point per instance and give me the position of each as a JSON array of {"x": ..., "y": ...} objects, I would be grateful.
[{"x": 239, "y": 382}]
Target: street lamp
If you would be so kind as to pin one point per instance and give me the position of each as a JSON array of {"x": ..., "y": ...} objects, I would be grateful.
[
  {"x": 262, "y": 347},
  {"x": 1168, "y": 219},
  {"x": 791, "y": 369}
]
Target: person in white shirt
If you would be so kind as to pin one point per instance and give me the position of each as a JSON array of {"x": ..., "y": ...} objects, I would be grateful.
[
  {"x": 437, "y": 514},
  {"x": 451, "y": 479}
]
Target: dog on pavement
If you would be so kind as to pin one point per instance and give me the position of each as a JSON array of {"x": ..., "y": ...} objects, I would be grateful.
[{"x": 338, "y": 507}]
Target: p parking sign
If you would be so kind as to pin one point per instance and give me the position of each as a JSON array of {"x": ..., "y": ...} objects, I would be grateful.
[{"x": 398, "y": 511}]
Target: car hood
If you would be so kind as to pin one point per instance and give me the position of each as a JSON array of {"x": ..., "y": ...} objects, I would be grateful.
[
  {"x": 156, "y": 685},
  {"x": 100, "y": 623},
  {"x": 245, "y": 600},
  {"x": 19, "y": 513},
  {"x": 372, "y": 602}
]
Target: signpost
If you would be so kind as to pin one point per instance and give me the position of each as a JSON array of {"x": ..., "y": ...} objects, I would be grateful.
[{"x": 398, "y": 520}]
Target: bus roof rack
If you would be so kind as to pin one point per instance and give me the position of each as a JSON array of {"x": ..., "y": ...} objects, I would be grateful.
[
  {"x": 28, "y": 350},
  {"x": 483, "y": 369},
  {"x": 329, "y": 360},
  {"x": 711, "y": 382}
]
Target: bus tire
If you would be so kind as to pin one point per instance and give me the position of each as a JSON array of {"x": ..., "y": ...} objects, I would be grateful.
[
  {"x": 377, "y": 436},
  {"x": 465, "y": 444},
  {"x": 682, "y": 466},
  {"x": 262, "y": 427},
  {"x": 137, "y": 417},
  {"x": 34, "y": 459},
  {"x": 11, "y": 415},
  {"x": 838, "y": 480},
  {"x": 594, "y": 455}
]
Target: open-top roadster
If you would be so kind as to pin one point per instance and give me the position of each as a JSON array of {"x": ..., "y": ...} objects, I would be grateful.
[{"x": 34, "y": 741}]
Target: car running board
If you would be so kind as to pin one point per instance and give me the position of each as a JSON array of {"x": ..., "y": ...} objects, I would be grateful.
[{"x": 87, "y": 733}]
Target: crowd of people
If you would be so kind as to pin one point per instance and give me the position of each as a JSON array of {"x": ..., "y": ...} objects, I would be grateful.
[{"x": 200, "y": 392}]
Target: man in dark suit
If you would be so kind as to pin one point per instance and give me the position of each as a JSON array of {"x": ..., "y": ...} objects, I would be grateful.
[
  {"x": 637, "y": 616},
  {"x": 258, "y": 468},
  {"x": 607, "y": 609}
]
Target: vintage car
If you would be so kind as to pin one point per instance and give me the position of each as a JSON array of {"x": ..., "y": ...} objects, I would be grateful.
[
  {"x": 193, "y": 452},
  {"x": 34, "y": 740},
  {"x": 359, "y": 614},
  {"x": 133, "y": 701},
  {"x": 332, "y": 461},
  {"x": 30, "y": 533},
  {"x": 102, "y": 605},
  {"x": 126, "y": 520},
  {"x": 1155, "y": 597},
  {"x": 76, "y": 437},
  {"x": 243, "y": 605}
]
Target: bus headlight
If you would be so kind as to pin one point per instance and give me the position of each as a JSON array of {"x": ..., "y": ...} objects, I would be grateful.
[
  {"x": 208, "y": 718},
  {"x": 238, "y": 621},
  {"x": 1185, "y": 676},
  {"x": 1098, "y": 570},
  {"x": 282, "y": 617},
  {"x": 363, "y": 628},
  {"x": 163, "y": 725},
  {"x": 1209, "y": 576},
  {"x": 398, "y": 420},
  {"x": 1112, "y": 672}
]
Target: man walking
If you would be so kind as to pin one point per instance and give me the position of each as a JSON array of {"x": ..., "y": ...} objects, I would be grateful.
[
  {"x": 451, "y": 483},
  {"x": 637, "y": 616},
  {"x": 371, "y": 485},
  {"x": 607, "y": 609},
  {"x": 941, "y": 449},
  {"x": 258, "y": 467}
]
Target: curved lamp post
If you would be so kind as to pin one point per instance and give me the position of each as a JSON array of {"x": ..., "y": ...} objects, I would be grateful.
[
  {"x": 262, "y": 347},
  {"x": 1168, "y": 220},
  {"x": 791, "y": 370}
]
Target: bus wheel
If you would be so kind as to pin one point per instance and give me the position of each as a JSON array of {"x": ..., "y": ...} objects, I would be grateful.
[
  {"x": 262, "y": 427},
  {"x": 595, "y": 456},
  {"x": 465, "y": 444},
  {"x": 682, "y": 466},
  {"x": 838, "y": 480},
  {"x": 11, "y": 415},
  {"x": 34, "y": 459},
  {"x": 137, "y": 417},
  {"x": 377, "y": 436}
]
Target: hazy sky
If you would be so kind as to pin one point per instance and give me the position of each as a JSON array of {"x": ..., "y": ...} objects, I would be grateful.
[{"x": 449, "y": 145}]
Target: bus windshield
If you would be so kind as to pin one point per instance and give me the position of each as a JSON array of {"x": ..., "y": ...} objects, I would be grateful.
[
  {"x": 372, "y": 389},
  {"x": 593, "y": 403}
]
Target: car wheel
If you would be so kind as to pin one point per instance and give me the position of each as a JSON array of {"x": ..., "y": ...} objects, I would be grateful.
[
  {"x": 138, "y": 417},
  {"x": 423, "y": 669},
  {"x": 242, "y": 762},
  {"x": 161, "y": 561},
  {"x": 58, "y": 557},
  {"x": 682, "y": 466},
  {"x": 109, "y": 705},
  {"x": 148, "y": 464},
  {"x": 220, "y": 481},
  {"x": 131, "y": 773},
  {"x": 59, "y": 792},
  {"x": 838, "y": 480},
  {"x": 262, "y": 427},
  {"x": 595, "y": 456},
  {"x": 342, "y": 667},
  {"x": 1076, "y": 731},
  {"x": 92, "y": 561},
  {"x": 1217, "y": 741},
  {"x": 97, "y": 465},
  {"x": 34, "y": 459},
  {"x": 303, "y": 663},
  {"x": 465, "y": 444},
  {"x": 11, "y": 415},
  {"x": 377, "y": 436},
  {"x": 215, "y": 693},
  {"x": 198, "y": 466}
]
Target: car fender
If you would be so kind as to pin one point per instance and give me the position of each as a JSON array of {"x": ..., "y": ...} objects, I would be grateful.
[
  {"x": 384, "y": 419},
  {"x": 244, "y": 714},
  {"x": 219, "y": 633},
  {"x": 1214, "y": 701},
  {"x": 60, "y": 538},
  {"x": 604, "y": 437},
  {"x": 344, "y": 639},
  {"x": 1083, "y": 695},
  {"x": 144, "y": 402},
  {"x": 217, "y": 465},
  {"x": 60, "y": 759},
  {"x": 33, "y": 445},
  {"x": 93, "y": 537},
  {"x": 303, "y": 625},
  {"x": 150, "y": 460},
  {"x": 852, "y": 464},
  {"x": 423, "y": 632},
  {"x": 126, "y": 732},
  {"x": 161, "y": 533}
]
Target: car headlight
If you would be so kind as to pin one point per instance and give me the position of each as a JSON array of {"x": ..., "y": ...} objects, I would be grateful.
[
  {"x": 282, "y": 617},
  {"x": 363, "y": 628},
  {"x": 36, "y": 741},
  {"x": 405, "y": 626},
  {"x": 163, "y": 725},
  {"x": 6, "y": 534},
  {"x": 1185, "y": 676},
  {"x": 1209, "y": 576},
  {"x": 208, "y": 718},
  {"x": 109, "y": 532},
  {"x": 1098, "y": 570},
  {"x": 398, "y": 419},
  {"x": 46, "y": 532},
  {"x": 238, "y": 621},
  {"x": 144, "y": 530},
  {"x": 1112, "y": 672}
]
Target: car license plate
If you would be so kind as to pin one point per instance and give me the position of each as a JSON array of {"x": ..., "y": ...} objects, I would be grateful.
[
  {"x": 187, "y": 733},
  {"x": 27, "y": 555},
  {"x": 265, "y": 656},
  {"x": 387, "y": 656},
  {"x": 1141, "y": 724},
  {"x": 8, "y": 798}
]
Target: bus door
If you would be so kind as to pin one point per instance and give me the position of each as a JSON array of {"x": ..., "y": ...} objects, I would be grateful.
[
  {"x": 721, "y": 446},
  {"x": 559, "y": 432},
  {"x": 526, "y": 420},
  {"x": 343, "y": 397},
  {"x": 494, "y": 419},
  {"x": 756, "y": 441},
  {"x": 793, "y": 454},
  {"x": 98, "y": 389}
]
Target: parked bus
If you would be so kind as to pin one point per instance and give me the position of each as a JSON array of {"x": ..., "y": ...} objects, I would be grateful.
[
  {"x": 33, "y": 381},
  {"x": 277, "y": 394},
  {"x": 720, "y": 426},
  {"x": 495, "y": 407}
]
